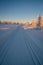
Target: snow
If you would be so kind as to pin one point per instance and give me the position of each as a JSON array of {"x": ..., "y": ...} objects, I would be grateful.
[{"x": 21, "y": 47}]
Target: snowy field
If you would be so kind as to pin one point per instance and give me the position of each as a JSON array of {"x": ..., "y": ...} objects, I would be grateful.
[{"x": 19, "y": 46}]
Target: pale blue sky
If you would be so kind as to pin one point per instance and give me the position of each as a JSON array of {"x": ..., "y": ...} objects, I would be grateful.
[{"x": 20, "y": 10}]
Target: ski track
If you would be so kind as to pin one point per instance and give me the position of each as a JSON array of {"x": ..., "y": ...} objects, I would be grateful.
[{"x": 21, "y": 47}]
